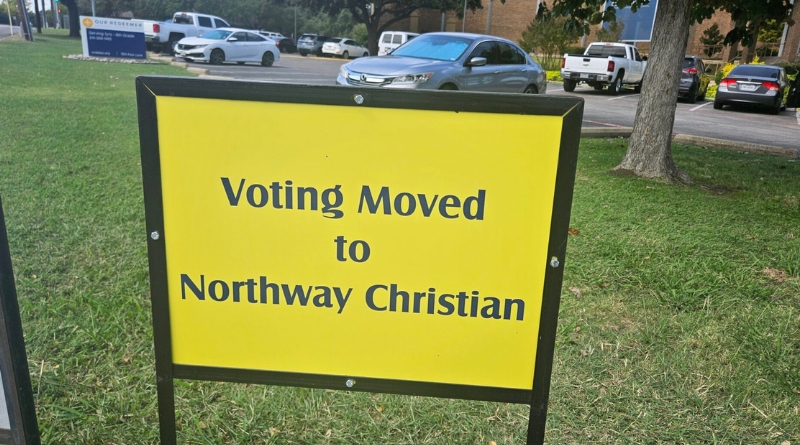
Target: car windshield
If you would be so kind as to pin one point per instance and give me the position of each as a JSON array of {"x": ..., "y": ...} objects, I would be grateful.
[
  {"x": 435, "y": 47},
  {"x": 756, "y": 71},
  {"x": 217, "y": 34},
  {"x": 688, "y": 63}
]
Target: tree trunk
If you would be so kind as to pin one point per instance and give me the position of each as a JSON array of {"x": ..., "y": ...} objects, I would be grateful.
[
  {"x": 74, "y": 17},
  {"x": 372, "y": 35},
  {"x": 649, "y": 151}
]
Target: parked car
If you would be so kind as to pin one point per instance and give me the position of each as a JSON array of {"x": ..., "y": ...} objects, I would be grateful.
[
  {"x": 165, "y": 36},
  {"x": 271, "y": 34},
  {"x": 694, "y": 80},
  {"x": 390, "y": 40},
  {"x": 311, "y": 44},
  {"x": 284, "y": 44},
  {"x": 228, "y": 45},
  {"x": 344, "y": 48},
  {"x": 765, "y": 86},
  {"x": 450, "y": 61},
  {"x": 612, "y": 64}
]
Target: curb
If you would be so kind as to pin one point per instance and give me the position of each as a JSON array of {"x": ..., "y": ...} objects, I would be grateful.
[{"x": 700, "y": 141}]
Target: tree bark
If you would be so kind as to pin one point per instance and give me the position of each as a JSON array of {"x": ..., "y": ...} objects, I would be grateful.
[
  {"x": 649, "y": 151},
  {"x": 74, "y": 17}
]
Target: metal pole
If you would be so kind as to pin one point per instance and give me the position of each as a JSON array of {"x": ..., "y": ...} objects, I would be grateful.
[
  {"x": 58, "y": 18},
  {"x": 94, "y": 14},
  {"x": 295, "y": 23},
  {"x": 443, "y": 14},
  {"x": 44, "y": 14},
  {"x": 10, "y": 23},
  {"x": 489, "y": 18},
  {"x": 464, "y": 19}
]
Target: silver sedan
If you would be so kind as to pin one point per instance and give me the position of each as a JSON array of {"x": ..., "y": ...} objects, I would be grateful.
[{"x": 450, "y": 61}]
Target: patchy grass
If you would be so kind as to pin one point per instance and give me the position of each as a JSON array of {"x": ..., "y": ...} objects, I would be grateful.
[{"x": 679, "y": 324}]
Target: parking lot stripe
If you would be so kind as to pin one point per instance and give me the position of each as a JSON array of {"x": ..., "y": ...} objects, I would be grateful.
[
  {"x": 624, "y": 97},
  {"x": 701, "y": 106}
]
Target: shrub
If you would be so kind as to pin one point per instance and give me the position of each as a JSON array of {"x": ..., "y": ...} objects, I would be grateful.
[
  {"x": 724, "y": 72},
  {"x": 554, "y": 75}
]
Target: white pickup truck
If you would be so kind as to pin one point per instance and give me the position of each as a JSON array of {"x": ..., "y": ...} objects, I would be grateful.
[
  {"x": 165, "y": 35},
  {"x": 612, "y": 64}
]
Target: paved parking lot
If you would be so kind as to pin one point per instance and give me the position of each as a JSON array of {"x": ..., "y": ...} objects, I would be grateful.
[{"x": 601, "y": 111}]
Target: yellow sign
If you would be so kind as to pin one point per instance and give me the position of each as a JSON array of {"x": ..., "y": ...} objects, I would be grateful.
[
  {"x": 389, "y": 243},
  {"x": 87, "y": 22}
]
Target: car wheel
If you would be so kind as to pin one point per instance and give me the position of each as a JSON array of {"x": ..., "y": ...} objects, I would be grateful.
[
  {"x": 615, "y": 87},
  {"x": 319, "y": 52},
  {"x": 267, "y": 59},
  {"x": 449, "y": 87},
  {"x": 569, "y": 85},
  {"x": 717, "y": 105},
  {"x": 692, "y": 96},
  {"x": 217, "y": 57},
  {"x": 173, "y": 46},
  {"x": 597, "y": 87},
  {"x": 530, "y": 89},
  {"x": 638, "y": 88},
  {"x": 345, "y": 55},
  {"x": 303, "y": 53},
  {"x": 365, "y": 55}
]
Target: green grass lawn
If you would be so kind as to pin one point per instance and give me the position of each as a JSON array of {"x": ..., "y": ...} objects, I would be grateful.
[{"x": 680, "y": 312}]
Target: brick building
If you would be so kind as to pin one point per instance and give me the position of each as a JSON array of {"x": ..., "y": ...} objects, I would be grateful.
[{"x": 511, "y": 18}]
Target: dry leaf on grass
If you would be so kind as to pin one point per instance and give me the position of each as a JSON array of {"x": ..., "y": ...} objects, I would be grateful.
[{"x": 778, "y": 275}]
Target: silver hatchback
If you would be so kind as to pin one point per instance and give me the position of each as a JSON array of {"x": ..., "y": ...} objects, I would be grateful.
[{"x": 450, "y": 61}]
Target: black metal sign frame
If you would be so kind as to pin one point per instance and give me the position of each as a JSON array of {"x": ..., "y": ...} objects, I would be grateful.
[
  {"x": 570, "y": 108},
  {"x": 24, "y": 428}
]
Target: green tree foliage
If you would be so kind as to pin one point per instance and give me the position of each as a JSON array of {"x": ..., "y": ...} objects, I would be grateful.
[
  {"x": 323, "y": 23},
  {"x": 712, "y": 40},
  {"x": 771, "y": 31},
  {"x": 547, "y": 38},
  {"x": 611, "y": 32}
]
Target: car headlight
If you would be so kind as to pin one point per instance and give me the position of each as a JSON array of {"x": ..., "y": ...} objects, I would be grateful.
[
  {"x": 413, "y": 78},
  {"x": 344, "y": 72}
]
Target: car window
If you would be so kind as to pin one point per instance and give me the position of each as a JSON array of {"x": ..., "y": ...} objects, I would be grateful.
[
  {"x": 242, "y": 36},
  {"x": 488, "y": 50},
  {"x": 509, "y": 55},
  {"x": 605, "y": 51},
  {"x": 183, "y": 19},
  {"x": 688, "y": 62},
  {"x": 757, "y": 71},
  {"x": 350, "y": 42},
  {"x": 254, "y": 37},
  {"x": 398, "y": 38},
  {"x": 637, "y": 55},
  {"x": 217, "y": 34},
  {"x": 435, "y": 47},
  {"x": 387, "y": 38},
  {"x": 218, "y": 23},
  {"x": 204, "y": 21}
]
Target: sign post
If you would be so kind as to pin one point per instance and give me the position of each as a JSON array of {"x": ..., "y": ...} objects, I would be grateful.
[
  {"x": 419, "y": 250},
  {"x": 18, "y": 425}
]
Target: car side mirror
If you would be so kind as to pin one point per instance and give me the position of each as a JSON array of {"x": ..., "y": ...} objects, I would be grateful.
[
  {"x": 476, "y": 61},
  {"x": 233, "y": 39}
]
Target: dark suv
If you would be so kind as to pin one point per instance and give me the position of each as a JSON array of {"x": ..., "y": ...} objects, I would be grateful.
[
  {"x": 311, "y": 44},
  {"x": 694, "y": 81}
]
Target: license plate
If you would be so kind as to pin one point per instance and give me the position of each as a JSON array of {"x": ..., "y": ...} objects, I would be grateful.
[
  {"x": 584, "y": 76},
  {"x": 748, "y": 87}
]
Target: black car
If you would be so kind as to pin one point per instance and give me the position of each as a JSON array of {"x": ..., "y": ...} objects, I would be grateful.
[
  {"x": 764, "y": 86},
  {"x": 694, "y": 81},
  {"x": 285, "y": 44}
]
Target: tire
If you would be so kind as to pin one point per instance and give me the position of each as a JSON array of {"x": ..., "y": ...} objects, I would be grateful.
[
  {"x": 692, "y": 96},
  {"x": 598, "y": 87},
  {"x": 638, "y": 88},
  {"x": 267, "y": 59},
  {"x": 717, "y": 105},
  {"x": 172, "y": 45},
  {"x": 569, "y": 85},
  {"x": 303, "y": 53},
  {"x": 365, "y": 55},
  {"x": 345, "y": 55},
  {"x": 449, "y": 87},
  {"x": 217, "y": 57},
  {"x": 530, "y": 89},
  {"x": 319, "y": 52},
  {"x": 616, "y": 87}
]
